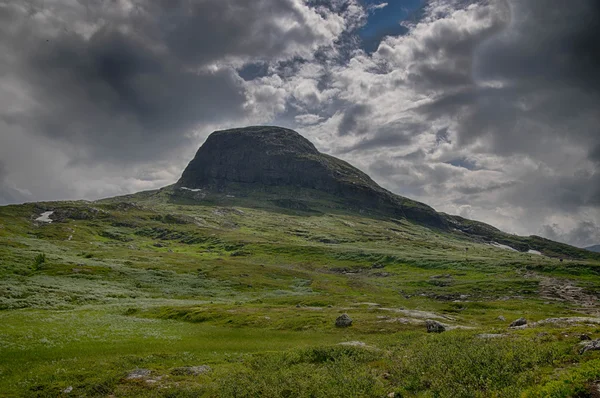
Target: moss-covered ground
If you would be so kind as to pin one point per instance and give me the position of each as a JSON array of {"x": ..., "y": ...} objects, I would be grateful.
[{"x": 149, "y": 282}]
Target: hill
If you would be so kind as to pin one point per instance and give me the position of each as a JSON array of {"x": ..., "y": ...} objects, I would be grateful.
[
  {"x": 595, "y": 248},
  {"x": 229, "y": 283}
]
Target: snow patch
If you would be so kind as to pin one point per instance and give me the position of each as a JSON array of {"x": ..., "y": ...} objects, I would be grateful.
[
  {"x": 45, "y": 217},
  {"x": 535, "y": 252},
  {"x": 191, "y": 189},
  {"x": 501, "y": 246}
]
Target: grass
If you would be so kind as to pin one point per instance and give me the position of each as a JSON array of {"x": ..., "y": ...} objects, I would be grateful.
[{"x": 253, "y": 290}]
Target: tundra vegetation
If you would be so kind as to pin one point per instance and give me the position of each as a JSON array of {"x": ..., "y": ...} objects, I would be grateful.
[{"x": 161, "y": 294}]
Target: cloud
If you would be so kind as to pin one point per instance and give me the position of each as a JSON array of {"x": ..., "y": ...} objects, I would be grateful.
[{"x": 485, "y": 108}]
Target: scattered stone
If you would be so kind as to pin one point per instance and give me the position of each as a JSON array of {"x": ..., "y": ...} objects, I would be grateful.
[
  {"x": 377, "y": 266},
  {"x": 581, "y": 320},
  {"x": 382, "y": 274},
  {"x": 343, "y": 321},
  {"x": 138, "y": 374},
  {"x": 391, "y": 395},
  {"x": 158, "y": 245},
  {"x": 191, "y": 370},
  {"x": 354, "y": 344},
  {"x": 593, "y": 345},
  {"x": 491, "y": 336},
  {"x": 434, "y": 326},
  {"x": 585, "y": 337},
  {"x": 386, "y": 375},
  {"x": 519, "y": 322},
  {"x": 68, "y": 390},
  {"x": 501, "y": 318}
]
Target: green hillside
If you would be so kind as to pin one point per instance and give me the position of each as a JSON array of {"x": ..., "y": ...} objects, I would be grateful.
[{"x": 181, "y": 293}]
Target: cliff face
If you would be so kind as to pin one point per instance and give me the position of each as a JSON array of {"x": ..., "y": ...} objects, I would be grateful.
[{"x": 259, "y": 157}]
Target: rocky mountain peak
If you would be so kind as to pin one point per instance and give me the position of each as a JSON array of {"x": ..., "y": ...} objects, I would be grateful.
[{"x": 252, "y": 159}]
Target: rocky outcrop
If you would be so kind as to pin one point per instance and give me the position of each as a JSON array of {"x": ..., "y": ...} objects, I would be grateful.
[{"x": 255, "y": 159}]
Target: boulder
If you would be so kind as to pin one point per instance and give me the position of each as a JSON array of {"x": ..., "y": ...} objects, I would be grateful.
[
  {"x": 518, "y": 322},
  {"x": 343, "y": 321},
  {"x": 593, "y": 345},
  {"x": 434, "y": 326}
]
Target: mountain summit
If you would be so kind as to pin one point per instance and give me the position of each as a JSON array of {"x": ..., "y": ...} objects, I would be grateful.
[
  {"x": 246, "y": 160},
  {"x": 276, "y": 168}
]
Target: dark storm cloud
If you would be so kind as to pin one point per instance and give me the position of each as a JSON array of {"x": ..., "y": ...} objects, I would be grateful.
[
  {"x": 352, "y": 121},
  {"x": 545, "y": 65},
  {"x": 8, "y": 194},
  {"x": 584, "y": 234},
  {"x": 132, "y": 84},
  {"x": 120, "y": 99}
]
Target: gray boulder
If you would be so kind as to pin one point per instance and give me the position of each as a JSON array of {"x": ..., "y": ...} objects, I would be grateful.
[
  {"x": 343, "y": 321},
  {"x": 434, "y": 326},
  {"x": 518, "y": 322},
  {"x": 593, "y": 345}
]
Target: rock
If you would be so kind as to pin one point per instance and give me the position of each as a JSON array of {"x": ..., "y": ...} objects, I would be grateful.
[
  {"x": 138, "y": 374},
  {"x": 354, "y": 344},
  {"x": 343, "y": 321},
  {"x": 377, "y": 266},
  {"x": 518, "y": 322},
  {"x": 585, "y": 337},
  {"x": 590, "y": 346},
  {"x": 434, "y": 326},
  {"x": 243, "y": 160},
  {"x": 490, "y": 336},
  {"x": 191, "y": 370},
  {"x": 501, "y": 318},
  {"x": 68, "y": 390}
]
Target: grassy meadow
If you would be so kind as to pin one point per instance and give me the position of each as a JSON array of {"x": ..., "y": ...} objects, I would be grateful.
[{"x": 157, "y": 283}]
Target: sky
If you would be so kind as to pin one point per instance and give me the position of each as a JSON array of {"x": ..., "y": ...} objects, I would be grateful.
[{"x": 487, "y": 109}]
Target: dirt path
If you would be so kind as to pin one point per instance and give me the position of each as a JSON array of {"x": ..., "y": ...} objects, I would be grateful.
[{"x": 565, "y": 290}]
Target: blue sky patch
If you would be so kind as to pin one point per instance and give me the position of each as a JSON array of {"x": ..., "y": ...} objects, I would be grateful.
[{"x": 385, "y": 21}]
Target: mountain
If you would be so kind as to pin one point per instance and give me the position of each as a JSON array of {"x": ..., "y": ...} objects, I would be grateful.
[
  {"x": 270, "y": 269},
  {"x": 274, "y": 165},
  {"x": 595, "y": 248},
  {"x": 282, "y": 162}
]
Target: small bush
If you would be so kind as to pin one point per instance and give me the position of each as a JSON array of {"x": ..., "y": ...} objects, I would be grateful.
[{"x": 39, "y": 261}]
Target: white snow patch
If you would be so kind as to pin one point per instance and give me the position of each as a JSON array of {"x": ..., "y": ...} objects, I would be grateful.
[
  {"x": 45, "y": 217},
  {"x": 535, "y": 252},
  {"x": 501, "y": 246},
  {"x": 191, "y": 189}
]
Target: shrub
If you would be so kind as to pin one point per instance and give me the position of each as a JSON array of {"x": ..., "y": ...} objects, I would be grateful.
[{"x": 39, "y": 261}]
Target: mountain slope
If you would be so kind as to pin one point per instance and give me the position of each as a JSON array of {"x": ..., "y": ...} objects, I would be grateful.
[
  {"x": 595, "y": 248},
  {"x": 225, "y": 288},
  {"x": 245, "y": 161},
  {"x": 265, "y": 164}
]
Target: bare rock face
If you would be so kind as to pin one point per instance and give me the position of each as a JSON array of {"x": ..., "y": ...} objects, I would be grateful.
[
  {"x": 343, "y": 321},
  {"x": 252, "y": 159}
]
